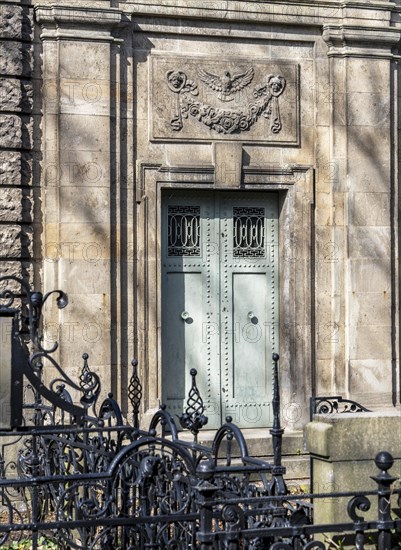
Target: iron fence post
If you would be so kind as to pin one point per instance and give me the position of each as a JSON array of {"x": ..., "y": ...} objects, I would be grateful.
[
  {"x": 384, "y": 480},
  {"x": 278, "y": 486},
  {"x": 35, "y": 492},
  {"x": 205, "y": 490}
]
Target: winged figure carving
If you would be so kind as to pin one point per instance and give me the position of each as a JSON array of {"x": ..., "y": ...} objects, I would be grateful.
[{"x": 226, "y": 86}]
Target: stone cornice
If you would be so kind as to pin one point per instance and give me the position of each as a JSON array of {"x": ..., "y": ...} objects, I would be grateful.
[
  {"x": 353, "y": 41},
  {"x": 70, "y": 22},
  {"x": 351, "y": 28},
  {"x": 293, "y": 12},
  {"x": 231, "y": 5}
]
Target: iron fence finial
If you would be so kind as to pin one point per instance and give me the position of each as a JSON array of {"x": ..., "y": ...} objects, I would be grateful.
[
  {"x": 135, "y": 393},
  {"x": 193, "y": 418}
]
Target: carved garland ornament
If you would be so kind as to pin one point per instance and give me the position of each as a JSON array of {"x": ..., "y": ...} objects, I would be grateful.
[{"x": 226, "y": 121}]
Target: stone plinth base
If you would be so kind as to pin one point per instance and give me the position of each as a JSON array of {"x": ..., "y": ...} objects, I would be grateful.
[{"x": 343, "y": 448}]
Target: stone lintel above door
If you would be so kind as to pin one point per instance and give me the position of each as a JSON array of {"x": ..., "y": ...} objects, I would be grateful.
[{"x": 203, "y": 176}]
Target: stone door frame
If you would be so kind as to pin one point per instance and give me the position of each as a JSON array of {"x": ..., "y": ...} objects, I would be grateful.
[{"x": 295, "y": 185}]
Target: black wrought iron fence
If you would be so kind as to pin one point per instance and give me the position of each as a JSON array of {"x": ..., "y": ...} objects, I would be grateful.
[{"x": 83, "y": 477}]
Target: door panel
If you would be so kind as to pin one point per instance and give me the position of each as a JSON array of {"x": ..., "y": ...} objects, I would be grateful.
[
  {"x": 219, "y": 286},
  {"x": 190, "y": 335},
  {"x": 249, "y": 279},
  {"x": 249, "y": 347},
  {"x": 184, "y": 336}
]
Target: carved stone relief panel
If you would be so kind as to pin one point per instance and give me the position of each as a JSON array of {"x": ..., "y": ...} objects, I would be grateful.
[{"x": 204, "y": 99}]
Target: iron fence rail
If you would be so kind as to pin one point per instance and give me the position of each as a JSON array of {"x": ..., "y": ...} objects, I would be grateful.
[
  {"x": 88, "y": 479},
  {"x": 153, "y": 485}
]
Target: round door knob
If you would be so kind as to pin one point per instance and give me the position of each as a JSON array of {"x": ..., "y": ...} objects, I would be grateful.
[
  {"x": 253, "y": 318},
  {"x": 185, "y": 315}
]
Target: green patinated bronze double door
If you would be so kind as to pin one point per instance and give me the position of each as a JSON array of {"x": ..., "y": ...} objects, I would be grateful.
[{"x": 220, "y": 302}]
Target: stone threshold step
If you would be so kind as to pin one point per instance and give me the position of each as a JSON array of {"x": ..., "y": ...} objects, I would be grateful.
[{"x": 259, "y": 442}]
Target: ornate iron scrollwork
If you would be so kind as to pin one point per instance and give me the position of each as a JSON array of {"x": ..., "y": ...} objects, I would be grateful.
[
  {"x": 89, "y": 383},
  {"x": 335, "y": 405},
  {"x": 31, "y": 314},
  {"x": 360, "y": 503}
]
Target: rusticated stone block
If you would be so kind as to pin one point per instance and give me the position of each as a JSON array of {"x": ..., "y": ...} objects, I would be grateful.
[
  {"x": 15, "y": 168},
  {"x": 10, "y": 94},
  {"x": 15, "y": 58},
  {"x": 16, "y": 95},
  {"x": 15, "y": 205},
  {"x": 10, "y": 168},
  {"x": 15, "y": 22},
  {"x": 16, "y": 132},
  {"x": 15, "y": 242},
  {"x": 16, "y": 268},
  {"x": 11, "y": 21},
  {"x": 21, "y": 2},
  {"x": 11, "y": 131}
]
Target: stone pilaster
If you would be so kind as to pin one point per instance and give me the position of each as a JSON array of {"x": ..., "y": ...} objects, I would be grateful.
[
  {"x": 80, "y": 182},
  {"x": 362, "y": 147}
]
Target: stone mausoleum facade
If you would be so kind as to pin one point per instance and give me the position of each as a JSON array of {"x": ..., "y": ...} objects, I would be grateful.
[{"x": 210, "y": 181}]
